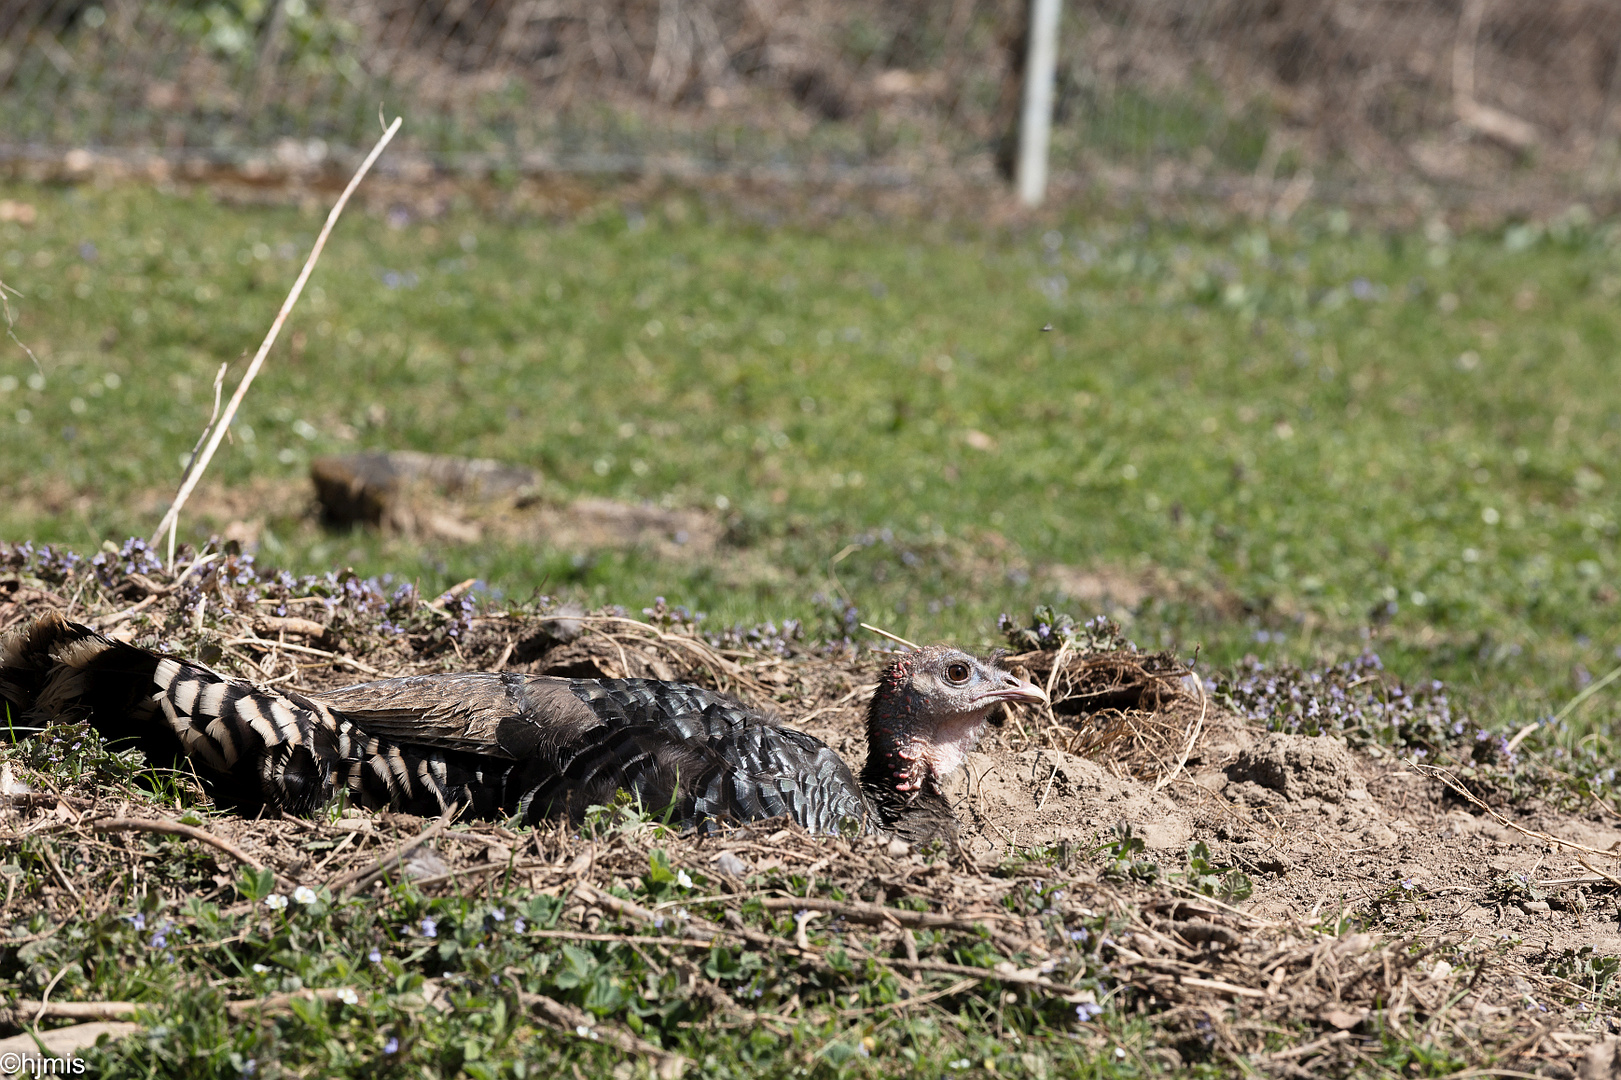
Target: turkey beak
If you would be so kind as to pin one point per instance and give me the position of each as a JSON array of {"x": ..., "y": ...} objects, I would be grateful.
[{"x": 1014, "y": 688}]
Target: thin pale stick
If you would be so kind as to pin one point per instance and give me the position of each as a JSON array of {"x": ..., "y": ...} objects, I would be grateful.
[
  {"x": 219, "y": 384},
  {"x": 1047, "y": 790},
  {"x": 1570, "y": 706},
  {"x": 77, "y": 1010},
  {"x": 1052, "y": 678},
  {"x": 833, "y": 571},
  {"x": 897, "y": 639},
  {"x": 196, "y": 564},
  {"x": 237, "y": 1010},
  {"x": 1193, "y": 736},
  {"x": 176, "y": 828},
  {"x": 11, "y": 327},
  {"x": 44, "y": 999},
  {"x": 1611, "y": 878},
  {"x": 396, "y": 855},
  {"x": 192, "y": 477},
  {"x": 289, "y": 647},
  {"x": 1588, "y": 691},
  {"x": 1457, "y": 786},
  {"x": 704, "y": 652},
  {"x": 1519, "y": 736}
]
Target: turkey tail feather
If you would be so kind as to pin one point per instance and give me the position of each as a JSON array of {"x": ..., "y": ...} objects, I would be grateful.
[
  {"x": 56, "y": 671},
  {"x": 496, "y": 745},
  {"x": 251, "y": 746}
]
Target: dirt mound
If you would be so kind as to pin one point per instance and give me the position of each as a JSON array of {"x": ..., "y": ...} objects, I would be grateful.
[
  {"x": 1298, "y": 767},
  {"x": 1046, "y": 797}
]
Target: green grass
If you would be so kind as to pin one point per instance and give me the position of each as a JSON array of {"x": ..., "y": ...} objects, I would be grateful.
[
  {"x": 434, "y": 982},
  {"x": 1336, "y": 429},
  {"x": 1329, "y": 437}
]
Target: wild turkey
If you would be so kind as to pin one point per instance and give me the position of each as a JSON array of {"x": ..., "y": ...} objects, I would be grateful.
[{"x": 508, "y": 745}]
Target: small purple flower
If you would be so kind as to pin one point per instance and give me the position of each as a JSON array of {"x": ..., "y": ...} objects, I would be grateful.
[
  {"x": 1088, "y": 1010},
  {"x": 519, "y": 925},
  {"x": 392, "y": 1046},
  {"x": 375, "y": 956},
  {"x": 430, "y": 927}
]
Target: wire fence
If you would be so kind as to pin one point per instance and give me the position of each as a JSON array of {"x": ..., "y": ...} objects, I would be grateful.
[{"x": 1274, "y": 101}]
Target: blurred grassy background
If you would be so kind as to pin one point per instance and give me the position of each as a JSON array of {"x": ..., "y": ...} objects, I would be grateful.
[{"x": 1283, "y": 440}]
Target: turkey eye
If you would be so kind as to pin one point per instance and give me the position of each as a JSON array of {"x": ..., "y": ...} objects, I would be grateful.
[{"x": 957, "y": 672}]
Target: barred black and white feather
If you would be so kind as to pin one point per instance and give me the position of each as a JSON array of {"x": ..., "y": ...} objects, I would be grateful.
[{"x": 497, "y": 745}]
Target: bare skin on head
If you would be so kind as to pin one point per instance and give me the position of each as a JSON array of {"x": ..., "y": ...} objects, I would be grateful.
[{"x": 926, "y": 715}]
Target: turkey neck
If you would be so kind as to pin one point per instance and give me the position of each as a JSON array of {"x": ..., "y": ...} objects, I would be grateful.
[{"x": 899, "y": 775}]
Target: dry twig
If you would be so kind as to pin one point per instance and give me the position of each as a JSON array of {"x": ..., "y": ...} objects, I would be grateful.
[
  {"x": 306, "y": 650},
  {"x": 358, "y": 879},
  {"x": 1456, "y": 785},
  {"x": 175, "y": 828},
  {"x": 577, "y": 1021},
  {"x": 1193, "y": 737},
  {"x": 171, "y": 519}
]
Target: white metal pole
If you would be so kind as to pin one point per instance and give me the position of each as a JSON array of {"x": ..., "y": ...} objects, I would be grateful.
[{"x": 1036, "y": 123}]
